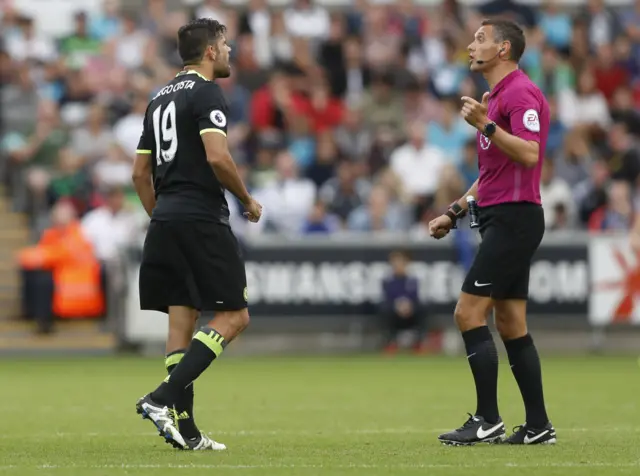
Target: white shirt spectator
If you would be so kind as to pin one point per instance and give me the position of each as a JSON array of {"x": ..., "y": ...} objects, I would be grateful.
[
  {"x": 556, "y": 192},
  {"x": 109, "y": 232},
  {"x": 127, "y": 132},
  {"x": 312, "y": 22},
  {"x": 287, "y": 204},
  {"x": 38, "y": 48},
  {"x": 130, "y": 49},
  {"x": 418, "y": 168},
  {"x": 575, "y": 110}
]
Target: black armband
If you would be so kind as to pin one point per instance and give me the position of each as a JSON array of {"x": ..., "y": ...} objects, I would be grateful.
[{"x": 455, "y": 212}]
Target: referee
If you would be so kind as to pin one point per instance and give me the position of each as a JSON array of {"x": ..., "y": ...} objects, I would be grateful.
[{"x": 513, "y": 125}]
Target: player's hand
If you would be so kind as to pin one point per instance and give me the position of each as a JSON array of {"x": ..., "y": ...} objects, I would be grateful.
[
  {"x": 474, "y": 112},
  {"x": 439, "y": 227},
  {"x": 253, "y": 211}
]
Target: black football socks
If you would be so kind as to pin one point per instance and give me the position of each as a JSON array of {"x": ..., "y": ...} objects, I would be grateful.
[
  {"x": 205, "y": 346},
  {"x": 184, "y": 403},
  {"x": 483, "y": 360},
  {"x": 525, "y": 365}
]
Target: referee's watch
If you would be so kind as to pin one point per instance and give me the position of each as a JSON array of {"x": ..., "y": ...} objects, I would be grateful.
[{"x": 490, "y": 129}]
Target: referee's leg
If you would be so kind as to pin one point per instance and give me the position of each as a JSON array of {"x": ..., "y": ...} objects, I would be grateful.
[{"x": 511, "y": 321}]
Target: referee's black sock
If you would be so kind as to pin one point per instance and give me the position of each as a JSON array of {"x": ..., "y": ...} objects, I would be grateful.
[
  {"x": 206, "y": 345},
  {"x": 525, "y": 365},
  {"x": 184, "y": 403},
  {"x": 483, "y": 359}
]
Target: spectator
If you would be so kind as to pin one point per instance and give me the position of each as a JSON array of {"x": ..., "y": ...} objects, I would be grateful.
[
  {"x": 107, "y": 24},
  {"x": 622, "y": 157},
  {"x": 602, "y": 23},
  {"x": 357, "y": 75},
  {"x": 79, "y": 46},
  {"x": 468, "y": 167},
  {"x": 622, "y": 110},
  {"x": 322, "y": 111},
  {"x": 382, "y": 106},
  {"x": 575, "y": 159},
  {"x": 609, "y": 74},
  {"x": 401, "y": 307},
  {"x": 127, "y": 131},
  {"x": 113, "y": 169},
  {"x": 29, "y": 45},
  {"x": 331, "y": 56},
  {"x": 586, "y": 107},
  {"x": 131, "y": 44},
  {"x": 417, "y": 163},
  {"x": 307, "y": 20},
  {"x": 320, "y": 222},
  {"x": 110, "y": 228},
  {"x": 92, "y": 141},
  {"x": 557, "y": 199},
  {"x": 591, "y": 194},
  {"x": 447, "y": 79},
  {"x": 19, "y": 96},
  {"x": 353, "y": 140},
  {"x": 379, "y": 214},
  {"x": 450, "y": 133},
  {"x": 62, "y": 277},
  {"x": 345, "y": 192},
  {"x": 556, "y": 25},
  {"x": 617, "y": 214},
  {"x": 287, "y": 201},
  {"x": 326, "y": 159},
  {"x": 70, "y": 181}
]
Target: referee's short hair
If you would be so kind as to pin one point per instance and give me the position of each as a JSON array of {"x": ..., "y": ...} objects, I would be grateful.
[
  {"x": 507, "y": 30},
  {"x": 195, "y": 36}
]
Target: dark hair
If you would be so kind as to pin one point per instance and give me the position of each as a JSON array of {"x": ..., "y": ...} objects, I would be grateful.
[
  {"x": 507, "y": 30},
  {"x": 195, "y": 36}
]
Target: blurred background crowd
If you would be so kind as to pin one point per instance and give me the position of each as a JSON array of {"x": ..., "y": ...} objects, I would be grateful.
[{"x": 342, "y": 119}]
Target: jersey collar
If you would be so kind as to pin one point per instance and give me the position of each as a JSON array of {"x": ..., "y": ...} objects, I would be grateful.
[
  {"x": 504, "y": 82},
  {"x": 183, "y": 73}
]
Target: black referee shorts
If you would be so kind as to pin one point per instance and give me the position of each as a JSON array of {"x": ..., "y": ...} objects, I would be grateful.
[
  {"x": 196, "y": 264},
  {"x": 511, "y": 234}
]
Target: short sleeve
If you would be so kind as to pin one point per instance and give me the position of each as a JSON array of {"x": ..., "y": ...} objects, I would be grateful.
[
  {"x": 145, "y": 144},
  {"x": 211, "y": 109},
  {"x": 524, "y": 115}
]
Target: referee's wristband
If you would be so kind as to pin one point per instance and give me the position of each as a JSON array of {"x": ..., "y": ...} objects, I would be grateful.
[{"x": 455, "y": 212}]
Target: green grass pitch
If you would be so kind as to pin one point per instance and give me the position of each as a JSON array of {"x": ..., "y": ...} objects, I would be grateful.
[{"x": 312, "y": 416}]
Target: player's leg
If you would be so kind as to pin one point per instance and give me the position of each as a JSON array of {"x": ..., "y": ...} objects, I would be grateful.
[
  {"x": 510, "y": 316},
  {"x": 470, "y": 314},
  {"x": 182, "y": 321},
  {"x": 164, "y": 283},
  {"x": 214, "y": 257}
]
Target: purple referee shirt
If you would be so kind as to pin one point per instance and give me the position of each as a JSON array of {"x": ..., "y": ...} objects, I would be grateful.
[{"x": 517, "y": 106}]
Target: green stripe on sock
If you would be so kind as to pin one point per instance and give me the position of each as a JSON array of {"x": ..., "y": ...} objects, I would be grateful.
[
  {"x": 173, "y": 359},
  {"x": 213, "y": 340}
]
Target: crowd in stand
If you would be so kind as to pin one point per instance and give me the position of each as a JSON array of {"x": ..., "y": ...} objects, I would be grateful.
[{"x": 340, "y": 120}]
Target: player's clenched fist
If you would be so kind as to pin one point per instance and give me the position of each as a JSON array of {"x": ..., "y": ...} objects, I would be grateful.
[
  {"x": 439, "y": 227},
  {"x": 474, "y": 112},
  {"x": 253, "y": 211}
]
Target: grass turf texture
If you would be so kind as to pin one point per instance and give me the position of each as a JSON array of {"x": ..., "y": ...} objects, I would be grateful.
[{"x": 312, "y": 416}]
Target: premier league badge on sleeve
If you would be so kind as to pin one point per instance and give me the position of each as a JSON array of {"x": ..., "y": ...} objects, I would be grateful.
[{"x": 218, "y": 118}]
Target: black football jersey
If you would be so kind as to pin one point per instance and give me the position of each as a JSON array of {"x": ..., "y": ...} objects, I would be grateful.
[{"x": 185, "y": 186}]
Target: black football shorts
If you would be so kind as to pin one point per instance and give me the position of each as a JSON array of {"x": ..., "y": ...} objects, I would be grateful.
[
  {"x": 196, "y": 264},
  {"x": 511, "y": 234}
]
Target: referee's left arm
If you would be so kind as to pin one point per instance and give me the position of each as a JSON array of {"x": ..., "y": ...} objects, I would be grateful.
[{"x": 524, "y": 118}]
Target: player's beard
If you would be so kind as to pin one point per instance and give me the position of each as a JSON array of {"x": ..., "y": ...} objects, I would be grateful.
[{"x": 222, "y": 70}]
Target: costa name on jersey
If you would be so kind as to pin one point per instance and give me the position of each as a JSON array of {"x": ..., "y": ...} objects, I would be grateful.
[{"x": 185, "y": 185}]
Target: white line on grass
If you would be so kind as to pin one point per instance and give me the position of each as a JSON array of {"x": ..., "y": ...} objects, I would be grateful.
[
  {"x": 285, "y": 432},
  {"x": 567, "y": 464}
]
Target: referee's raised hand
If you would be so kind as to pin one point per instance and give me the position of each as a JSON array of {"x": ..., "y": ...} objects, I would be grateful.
[{"x": 474, "y": 112}]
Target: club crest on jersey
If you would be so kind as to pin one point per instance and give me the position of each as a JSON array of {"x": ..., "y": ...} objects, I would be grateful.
[
  {"x": 531, "y": 121},
  {"x": 218, "y": 118},
  {"x": 485, "y": 142}
]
